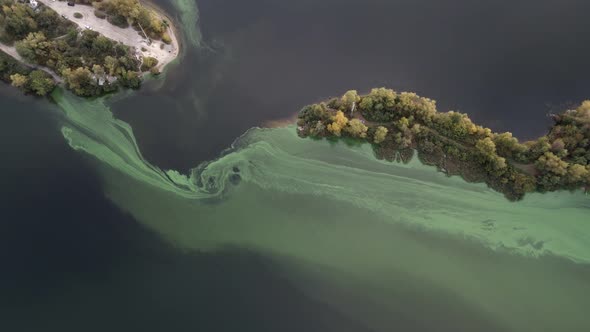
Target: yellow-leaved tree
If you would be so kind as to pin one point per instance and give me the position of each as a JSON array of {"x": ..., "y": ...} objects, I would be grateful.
[{"x": 339, "y": 121}]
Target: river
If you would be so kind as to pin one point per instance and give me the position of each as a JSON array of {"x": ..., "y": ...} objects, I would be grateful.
[{"x": 97, "y": 235}]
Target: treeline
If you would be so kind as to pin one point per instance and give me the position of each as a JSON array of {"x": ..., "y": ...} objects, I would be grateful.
[
  {"x": 30, "y": 81},
  {"x": 399, "y": 123},
  {"x": 89, "y": 63},
  {"x": 123, "y": 13},
  {"x": 17, "y": 20}
]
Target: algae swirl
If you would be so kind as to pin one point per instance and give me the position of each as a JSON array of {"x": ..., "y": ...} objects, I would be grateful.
[{"x": 334, "y": 214}]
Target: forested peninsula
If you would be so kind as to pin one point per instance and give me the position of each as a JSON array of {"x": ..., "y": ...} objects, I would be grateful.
[
  {"x": 40, "y": 48},
  {"x": 400, "y": 124}
]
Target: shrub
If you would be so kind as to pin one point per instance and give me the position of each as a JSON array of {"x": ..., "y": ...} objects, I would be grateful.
[
  {"x": 78, "y": 15},
  {"x": 118, "y": 20},
  {"x": 148, "y": 63},
  {"x": 100, "y": 14},
  {"x": 166, "y": 38}
]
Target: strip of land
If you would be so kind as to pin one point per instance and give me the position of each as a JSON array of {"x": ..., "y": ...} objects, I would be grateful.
[
  {"x": 11, "y": 50},
  {"x": 91, "y": 49},
  {"x": 398, "y": 124},
  {"x": 164, "y": 53}
]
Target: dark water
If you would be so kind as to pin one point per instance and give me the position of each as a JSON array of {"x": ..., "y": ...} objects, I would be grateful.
[
  {"x": 506, "y": 63},
  {"x": 72, "y": 261}
]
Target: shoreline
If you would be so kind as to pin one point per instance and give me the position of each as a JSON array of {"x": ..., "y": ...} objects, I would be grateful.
[
  {"x": 402, "y": 125},
  {"x": 172, "y": 27},
  {"x": 83, "y": 17},
  {"x": 127, "y": 36}
]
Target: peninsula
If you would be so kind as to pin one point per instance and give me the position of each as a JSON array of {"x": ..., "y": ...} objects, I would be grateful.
[
  {"x": 400, "y": 124},
  {"x": 91, "y": 47}
]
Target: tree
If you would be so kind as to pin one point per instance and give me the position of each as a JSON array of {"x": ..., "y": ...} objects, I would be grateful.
[
  {"x": 19, "y": 81},
  {"x": 552, "y": 163},
  {"x": 18, "y": 20},
  {"x": 318, "y": 129},
  {"x": 584, "y": 109},
  {"x": 380, "y": 134},
  {"x": 102, "y": 44},
  {"x": 356, "y": 128},
  {"x": 558, "y": 145},
  {"x": 79, "y": 80},
  {"x": 577, "y": 173},
  {"x": 98, "y": 71},
  {"x": 34, "y": 48},
  {"x": 111, "y": 64},
  {"x": 339, "y": 121},
  {"x": 508, "y": 146},
  {"x": 149, "y": 63},
  {"x": 130, "y": 79},
  {"x": 349, "y": 98},
  {"x": 41, "y": 83},
  {"x": 486, "y": 147}
]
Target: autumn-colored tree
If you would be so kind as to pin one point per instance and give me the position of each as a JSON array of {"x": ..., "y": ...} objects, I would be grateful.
[
  {"x": 19, "y": 81},
  {"x": 339, "y": 121},
  {"x": 584, "y": 109}
]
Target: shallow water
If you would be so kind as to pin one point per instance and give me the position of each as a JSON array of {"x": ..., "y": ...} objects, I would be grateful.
[{"x": 356, "y": 233}]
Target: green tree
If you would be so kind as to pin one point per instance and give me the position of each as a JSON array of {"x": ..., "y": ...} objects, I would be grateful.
[
  {"x": 486, "y": 147},
  {"x": 552, "y": 163},
  {"x": 18, "y": 20},
  {"x": 577, "y": 173},
  {"x": 149, "y": 63},
  {"x": 111, "y": 64},
  {"x": 349, "y": 98},
  {"x": 356, "y": 128},
  {"x": 79, "y": 80},
  {"x": 41, "y": 83},
  {"x": 34, "y": 48}
]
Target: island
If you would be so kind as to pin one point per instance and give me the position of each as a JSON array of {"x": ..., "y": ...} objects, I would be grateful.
[
  {"x": 398, "y": 125},
  {"x": 91, "y": 47}
]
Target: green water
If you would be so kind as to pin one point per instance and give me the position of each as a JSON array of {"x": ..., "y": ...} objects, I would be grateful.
[
  {"x": 334, "y": 214},
  {"x": 373, "y": 239}
]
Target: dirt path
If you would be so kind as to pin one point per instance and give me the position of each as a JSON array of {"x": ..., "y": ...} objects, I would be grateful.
[
  {"x": 11, "y": 50},
  {"x": 128, "y": 36}
]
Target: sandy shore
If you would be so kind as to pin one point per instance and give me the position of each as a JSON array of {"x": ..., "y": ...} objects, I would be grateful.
[{"x": 157, "y": 49}]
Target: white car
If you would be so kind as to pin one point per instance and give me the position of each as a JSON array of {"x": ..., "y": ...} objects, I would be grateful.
[{"x": 88, "y": 27}]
